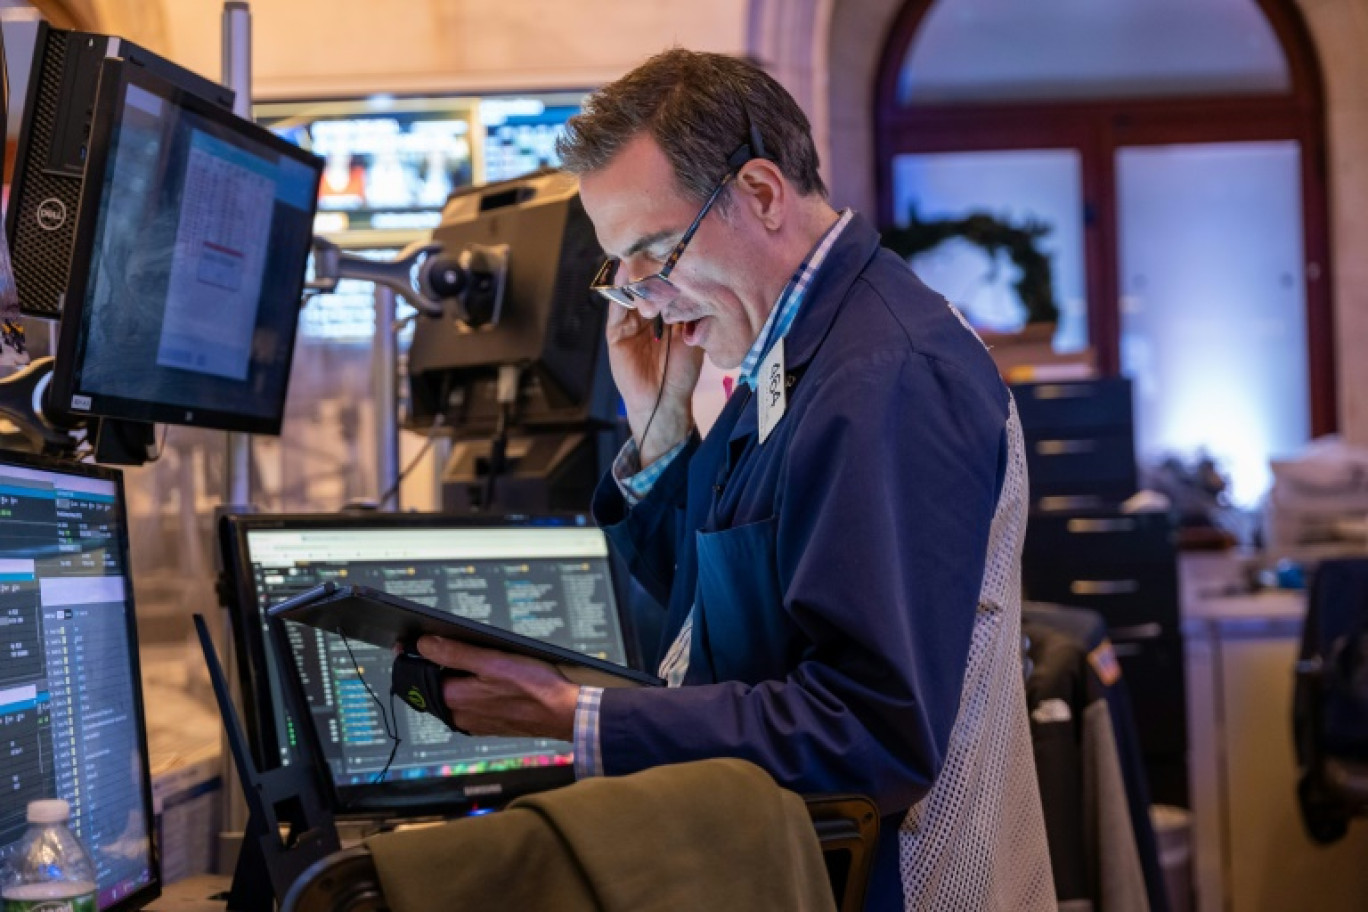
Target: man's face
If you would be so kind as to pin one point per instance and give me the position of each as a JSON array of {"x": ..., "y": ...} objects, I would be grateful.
[{"x": 640, "y": 215}]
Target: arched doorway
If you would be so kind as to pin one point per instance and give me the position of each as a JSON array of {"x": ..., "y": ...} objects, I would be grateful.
[{"x": 1177, "y": 151}]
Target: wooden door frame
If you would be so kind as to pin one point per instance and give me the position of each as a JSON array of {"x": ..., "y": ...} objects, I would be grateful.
[{"x": 1097, "y": 129}]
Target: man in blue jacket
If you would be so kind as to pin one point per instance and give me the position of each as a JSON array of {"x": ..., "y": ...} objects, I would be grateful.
[{"x": 839, "y": 557}]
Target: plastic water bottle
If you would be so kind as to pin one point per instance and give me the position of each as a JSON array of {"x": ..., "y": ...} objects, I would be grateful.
[{"x": 49, "y": 870}]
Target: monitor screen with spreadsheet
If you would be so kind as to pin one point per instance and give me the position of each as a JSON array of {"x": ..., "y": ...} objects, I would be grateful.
[
  {"x": 192, "y": 235},
  {"x": 71, "y": 712},
  {"x": 545, "y": 577}
]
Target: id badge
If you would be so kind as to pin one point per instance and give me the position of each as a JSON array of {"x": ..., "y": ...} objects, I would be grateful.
[{"x": 771, "y": 393}]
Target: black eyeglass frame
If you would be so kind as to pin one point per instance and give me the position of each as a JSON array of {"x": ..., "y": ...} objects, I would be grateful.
[{"x": 628, "y": 293}]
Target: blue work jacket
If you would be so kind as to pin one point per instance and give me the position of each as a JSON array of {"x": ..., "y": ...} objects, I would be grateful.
[{"x": 836, "y": 567}]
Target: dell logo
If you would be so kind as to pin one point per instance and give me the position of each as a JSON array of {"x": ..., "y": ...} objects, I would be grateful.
[{"x": 51, "y": 214}]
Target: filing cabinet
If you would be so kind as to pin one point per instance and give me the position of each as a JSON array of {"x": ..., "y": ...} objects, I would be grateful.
[
  {"x": 1125, "y": 568},
  {"x": 1081, "y": 550},
  {"x": 1080, "y": 445}
]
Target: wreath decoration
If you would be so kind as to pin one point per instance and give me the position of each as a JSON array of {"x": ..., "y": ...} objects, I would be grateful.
[{"x": 1035, "y": 288}]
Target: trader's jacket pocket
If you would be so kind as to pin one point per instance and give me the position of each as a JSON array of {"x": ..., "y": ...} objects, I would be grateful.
[{"x": 741, "y": 631}]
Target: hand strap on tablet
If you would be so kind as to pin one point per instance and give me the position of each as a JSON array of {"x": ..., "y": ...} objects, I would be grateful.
[{"x": 418, "y": 682}]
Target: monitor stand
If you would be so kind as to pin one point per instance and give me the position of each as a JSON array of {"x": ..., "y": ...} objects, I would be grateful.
[
  {"x": 24, "y": 401},
  {"x": 268, "y": 865},
  {"x": 130, "y": 443}
]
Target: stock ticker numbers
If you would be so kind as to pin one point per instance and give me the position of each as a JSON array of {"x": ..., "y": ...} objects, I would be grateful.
[
  {"x": 25, "y": 709},
  {"x": 25, "y": 723},
  {"x": 85, "y": 534},
  {"x": 59, "y": 561},
  {"x": 19, "y": 644},
  {"x": 24, "y": 701}
]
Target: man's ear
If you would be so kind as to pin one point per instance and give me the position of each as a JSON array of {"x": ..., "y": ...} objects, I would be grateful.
[{"x": 762, "y": 187}]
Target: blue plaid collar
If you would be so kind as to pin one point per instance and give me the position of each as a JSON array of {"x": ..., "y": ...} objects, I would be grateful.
[{"x": 786, "y": 308}]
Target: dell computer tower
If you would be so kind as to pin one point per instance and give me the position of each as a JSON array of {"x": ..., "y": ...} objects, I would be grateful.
[{"x": 49, "y": 169}]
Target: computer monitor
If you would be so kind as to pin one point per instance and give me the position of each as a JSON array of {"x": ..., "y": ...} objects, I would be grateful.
[
  {"x": 71, "y": 710},
  {"x": 549, "y": 577},
  {"x": 188, "y": 259},
  {"x": 520, "y": 132}
]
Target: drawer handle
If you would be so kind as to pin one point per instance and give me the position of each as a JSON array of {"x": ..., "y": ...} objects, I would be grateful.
[
  {"x": 1149, "y": 631},
  {"x": 1089, "y": 526},
  {"x": 1065, "y": 447},
  {"x": 1064, "y": 391},
  {"x": 1062, "y": 502},
  {"x": 1104, "y": 587}
]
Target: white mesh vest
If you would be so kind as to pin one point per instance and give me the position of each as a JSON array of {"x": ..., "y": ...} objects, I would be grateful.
[{"x": 977, "y": 840}]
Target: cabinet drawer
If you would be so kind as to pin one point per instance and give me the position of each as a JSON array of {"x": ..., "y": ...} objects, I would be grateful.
[
  {"x": 1058, "y": 464},
  {"x": 1112, "y": 538},
  {"x": 1126, "y": 595},
  {"x": 1102, "y": 497},
  {"x": 1078, "y": 406}
]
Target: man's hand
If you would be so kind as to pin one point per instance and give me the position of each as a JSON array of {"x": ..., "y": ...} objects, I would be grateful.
[
  {"x": 637, "y": 359},
  {"x": 504, "y": 694}
]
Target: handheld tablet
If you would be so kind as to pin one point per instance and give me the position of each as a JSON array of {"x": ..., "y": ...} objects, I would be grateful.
[{"x": 381, "y": 619}]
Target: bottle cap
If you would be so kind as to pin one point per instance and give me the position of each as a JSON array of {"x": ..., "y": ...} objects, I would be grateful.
[{"x": 53, "y": 810}]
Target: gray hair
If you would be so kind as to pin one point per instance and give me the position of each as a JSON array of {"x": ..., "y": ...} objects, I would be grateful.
[{"x": 699, "y": 108}]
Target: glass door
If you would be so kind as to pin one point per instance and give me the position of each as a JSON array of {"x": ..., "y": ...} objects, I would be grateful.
[{"x": 1213, "y": 303}]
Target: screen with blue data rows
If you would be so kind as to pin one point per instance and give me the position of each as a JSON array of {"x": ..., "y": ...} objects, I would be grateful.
[
  {"x": 552, "y": 584},
  {"x": 70, "y": 721}
]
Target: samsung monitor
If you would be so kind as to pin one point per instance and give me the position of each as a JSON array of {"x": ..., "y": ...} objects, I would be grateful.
[
  {"x": 71, "y": 710},
  {"x": 548, "y": 577},
  {"x": 192, "y": 235}
]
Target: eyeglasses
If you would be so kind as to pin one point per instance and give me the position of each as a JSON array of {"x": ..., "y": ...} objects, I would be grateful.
[{"x": 657, "y": 288}]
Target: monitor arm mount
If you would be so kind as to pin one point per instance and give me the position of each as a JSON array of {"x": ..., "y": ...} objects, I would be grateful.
[
  {"x": 467, "y": 287},
  {"x": 26, "y": 400},
  {"x": 23, "y": 400}
]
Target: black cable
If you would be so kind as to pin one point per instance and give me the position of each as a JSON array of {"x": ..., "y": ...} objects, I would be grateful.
[
  {"x": 394, "y": 748},
  {"x": 438, "y": 421},
  {"x": 387, "y": 718},
  {"x": 498, "y": 451},
  {"x": 413, "y": 464}
]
